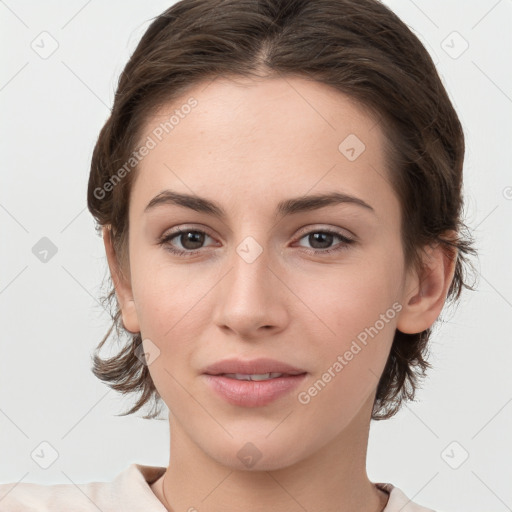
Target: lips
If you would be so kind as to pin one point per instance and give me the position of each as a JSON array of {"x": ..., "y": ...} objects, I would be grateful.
[
  {"x": 250, "y": 393},
  {"x": 243, "y": 383},
  {"x": 251, "y": 367}
]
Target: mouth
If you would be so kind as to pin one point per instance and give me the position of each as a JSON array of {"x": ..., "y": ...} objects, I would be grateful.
[{"x": 252, "y": 383}]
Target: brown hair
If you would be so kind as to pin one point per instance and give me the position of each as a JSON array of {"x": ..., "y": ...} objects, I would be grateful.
[{"x": 358, "y": 47}]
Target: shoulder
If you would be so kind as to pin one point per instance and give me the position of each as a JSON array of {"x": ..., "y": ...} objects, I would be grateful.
[
  {"x": 130, "y": 490},
  {"x": 399, "y": 502},
  {"x": 30, "y": 497}
]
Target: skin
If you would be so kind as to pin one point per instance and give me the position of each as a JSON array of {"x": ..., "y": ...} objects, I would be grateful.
[{"x": 248, "y": 145}]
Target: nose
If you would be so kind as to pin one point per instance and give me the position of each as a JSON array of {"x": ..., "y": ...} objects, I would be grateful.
[{"x": 251, "y": 298}]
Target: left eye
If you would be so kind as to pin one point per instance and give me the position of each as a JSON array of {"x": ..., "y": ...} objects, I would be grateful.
[
  {"x": 191, "y": 241},
  {"x": 326, "y": 237}
]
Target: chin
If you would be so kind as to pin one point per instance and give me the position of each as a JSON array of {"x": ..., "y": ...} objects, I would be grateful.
[{"x": 260, "y": 454}]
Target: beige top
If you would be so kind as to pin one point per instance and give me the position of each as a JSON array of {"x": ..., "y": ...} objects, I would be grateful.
[{"x": 130, "y": 491}]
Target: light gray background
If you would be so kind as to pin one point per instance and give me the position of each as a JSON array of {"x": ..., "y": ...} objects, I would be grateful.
[{"x": 52, "y": 110}]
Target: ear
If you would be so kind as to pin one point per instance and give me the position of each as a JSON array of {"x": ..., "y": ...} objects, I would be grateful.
[
  {"x": 122, "y": 286},
  {"x": 425, "y": 295}
]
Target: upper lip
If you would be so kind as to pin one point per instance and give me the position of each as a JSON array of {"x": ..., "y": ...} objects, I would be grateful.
[{"x": 252, "y": 366}]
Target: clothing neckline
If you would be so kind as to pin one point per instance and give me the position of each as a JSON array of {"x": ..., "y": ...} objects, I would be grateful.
[{"x": 151, "y": 474}]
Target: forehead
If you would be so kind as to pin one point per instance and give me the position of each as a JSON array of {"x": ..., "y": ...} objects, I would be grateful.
[
  {"x": 238, "y": 108},
  {"x": 256, "y": 139}
]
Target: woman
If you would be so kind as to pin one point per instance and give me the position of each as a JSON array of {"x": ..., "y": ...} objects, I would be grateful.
[{"x": 279, "y": 192}]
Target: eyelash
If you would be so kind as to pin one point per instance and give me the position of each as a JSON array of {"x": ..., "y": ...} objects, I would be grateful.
[{"x": 165, "y": 240}]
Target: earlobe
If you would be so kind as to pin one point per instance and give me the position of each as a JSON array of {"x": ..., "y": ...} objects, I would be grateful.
[
  {"x": 122, "y": 286},
  {"x": 425, "y": 295}
]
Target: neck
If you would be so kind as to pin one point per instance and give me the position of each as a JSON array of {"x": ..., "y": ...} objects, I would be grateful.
[{"x": 333, "y": 479}]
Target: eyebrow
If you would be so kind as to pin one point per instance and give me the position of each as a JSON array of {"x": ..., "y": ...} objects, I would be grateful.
[{"x": 286, "y": 207}]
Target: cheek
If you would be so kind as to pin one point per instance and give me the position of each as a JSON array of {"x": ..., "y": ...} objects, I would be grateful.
[
  {"x": 344, "y": 300},
  {"x": 159, "y": 289},
  {"x": 172, "y": 316},
  {"x": 349, "y": 360},
  {"x": 171, "y": 303},
  {"x": 353, "y": 318}
]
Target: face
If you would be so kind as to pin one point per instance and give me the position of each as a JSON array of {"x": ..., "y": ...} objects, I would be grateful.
[{"x": 318, "y": 288}]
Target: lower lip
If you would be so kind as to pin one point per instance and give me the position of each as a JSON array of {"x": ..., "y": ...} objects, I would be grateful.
[{"x": 252, "y": 393}]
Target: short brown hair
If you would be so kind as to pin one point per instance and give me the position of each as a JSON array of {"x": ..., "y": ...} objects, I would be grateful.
[{"x": 359, "y": 47}]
